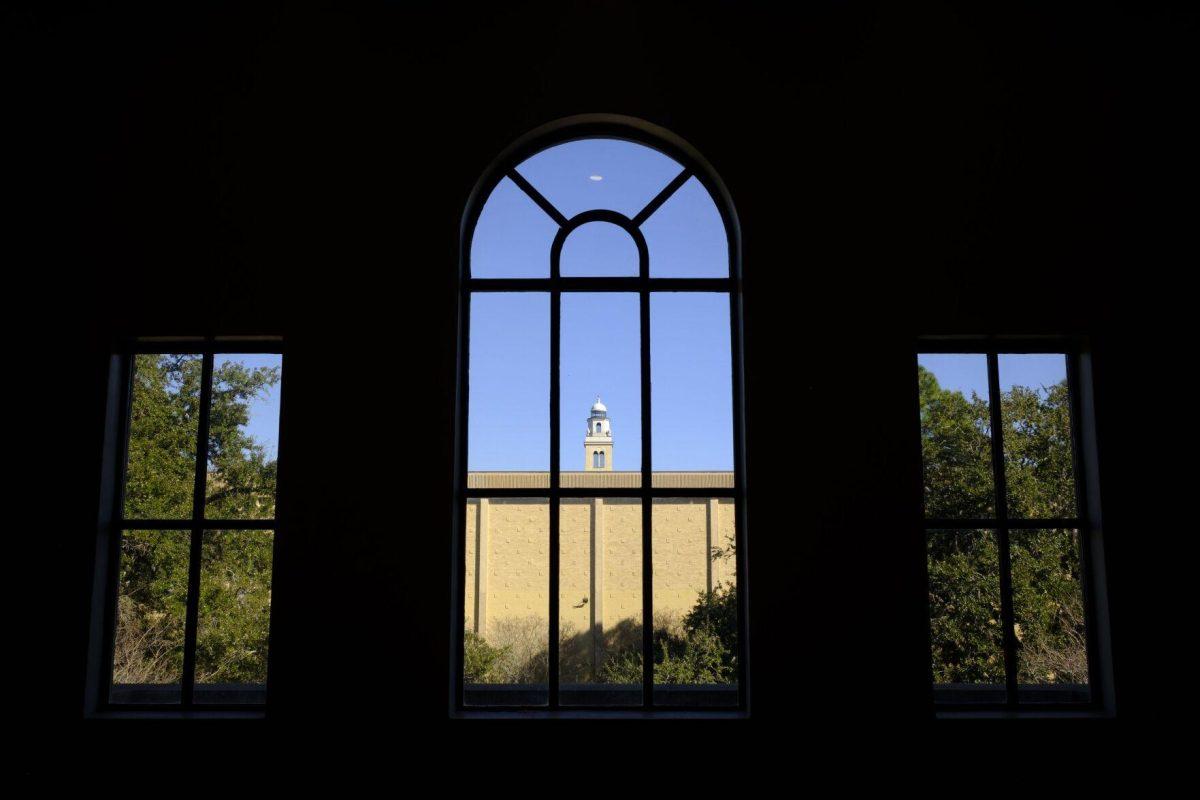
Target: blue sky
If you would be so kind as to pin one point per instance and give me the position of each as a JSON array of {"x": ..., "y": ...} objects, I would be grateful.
[
  {"x": 264, "y": 410},
  {"x": 509, "y": 419},
  {"x": 967, "y": 372},
  {"x": 600, "y": 352},
  {"x": 685, "y": 236}
]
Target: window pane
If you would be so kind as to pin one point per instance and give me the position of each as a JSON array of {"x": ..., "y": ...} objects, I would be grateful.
[
  {"x": 695, "y": 602},
  {"x": 1036, "y": 410},
  {"x": 509, "y": 418},
  {"x": 966, "y": 629},
  {"x": 151, "y": 607},
  {"x": 956, "y": 438},
  {"x": 686, "y": 236},
  {"x": 599, "y": 249},
  {"x": 600, "y": 601},
  {"x": 512, "y": 236},
  {"x": 592, "y": 174},
  {"x": 234, "y": 617},
  {"x": 243, "y": 436},
  {"x": 600, "y": 438},
  {"x": 692, "y": 390},
  {"x": 1049, "y": 616},
  {"x": 163, "y": 428},
  {"x": 507, "y": 638}
]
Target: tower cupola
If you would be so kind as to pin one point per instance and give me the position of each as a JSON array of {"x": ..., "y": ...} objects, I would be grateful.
[{"x": 597, "y": 441}]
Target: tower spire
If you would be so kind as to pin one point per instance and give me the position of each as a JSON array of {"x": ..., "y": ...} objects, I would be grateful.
[{"x": 597, "y": 441}]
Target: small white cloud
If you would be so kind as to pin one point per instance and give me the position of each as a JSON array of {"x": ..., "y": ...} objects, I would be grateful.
[{"x": 595, "y": 177}]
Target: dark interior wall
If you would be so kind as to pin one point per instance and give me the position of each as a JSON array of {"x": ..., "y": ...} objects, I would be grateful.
[{"x": 303, "y": 172}]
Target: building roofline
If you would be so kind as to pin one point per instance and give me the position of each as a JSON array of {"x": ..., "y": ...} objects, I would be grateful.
[{"x": 628, "y": 479}]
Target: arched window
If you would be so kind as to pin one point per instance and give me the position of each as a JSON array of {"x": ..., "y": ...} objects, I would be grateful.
[{"x": 598, "y": 217}]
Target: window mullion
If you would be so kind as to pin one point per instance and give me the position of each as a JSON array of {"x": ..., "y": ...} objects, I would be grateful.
[
  {"x": 462, "y": 397},
  {"x": 552, "y": 671},
  {"x": 1002, "y": 532},
  {"x": 116, "y": 532},
  {"x": 739, "y": 484},
  {"x": 1083, "y": 525},
  {"x": 197, "y": 534},
  {"x": 647, "y": 499}
]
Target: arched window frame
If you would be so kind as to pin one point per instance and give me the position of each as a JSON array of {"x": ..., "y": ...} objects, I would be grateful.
[{"x": 694, "y": 165}]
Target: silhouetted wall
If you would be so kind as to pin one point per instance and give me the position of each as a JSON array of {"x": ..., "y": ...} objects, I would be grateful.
[{"x": 897, "y": 172}]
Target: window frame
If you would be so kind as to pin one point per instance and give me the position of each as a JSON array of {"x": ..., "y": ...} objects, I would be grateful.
[
  {"x": 112, "y": 524},
  {"x": 693, "y": 165},
  {"x": 1077, "y": 354}
]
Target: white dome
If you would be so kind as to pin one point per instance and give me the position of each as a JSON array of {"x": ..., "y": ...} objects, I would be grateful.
[{"x": 598, "y": 407}]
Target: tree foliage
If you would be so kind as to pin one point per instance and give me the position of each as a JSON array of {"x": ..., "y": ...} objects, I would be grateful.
[
  {"x": 964, "y": 571},
  {"x": 235, "y": 597},
  {"x": 702, "y": 650}
]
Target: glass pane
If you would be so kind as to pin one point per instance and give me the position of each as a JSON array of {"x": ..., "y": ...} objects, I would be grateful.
[
  {"x": 695, "y": 602},
  {"x": 509, "y": 419},
  {"x": 693, "y": 390},
  {"x": 1048, "y": 612},
  {"x": 686, "y": 236},
  {"x": 507, "y": 636},
  {"x": 600, "y": 601},
  {"x": 151, "y": 608},
  {"x": 163, "y": 428},
  {"x": 964, "y": 616},
  {"x": 234, "y": 617},
  {"x": 512, "y": 236},
  {"x": 956, "y": 435},
  {"x": 592, "y": 174},
  {"x": 599, "y": 249},
  {"x": 601, "y": 408},
  {"x": 1038, "y": 464},
  {"x": 243, "y": 436}
]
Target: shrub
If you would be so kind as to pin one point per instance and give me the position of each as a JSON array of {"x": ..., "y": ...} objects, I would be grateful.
[
  {"x": 701, "y": 649},
  {"x": 479, "y": 658}
]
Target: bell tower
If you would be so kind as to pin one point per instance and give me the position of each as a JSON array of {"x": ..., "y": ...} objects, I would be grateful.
[{"x": 597, "y": 442}]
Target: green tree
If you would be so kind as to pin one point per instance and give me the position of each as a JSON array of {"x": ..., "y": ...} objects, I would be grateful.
[
  {"x": 956, "y": 451},
  {"x": 702, "y": 651},
  {"x": 234, "y": 601},
  {"x": 964, "y": 594}
]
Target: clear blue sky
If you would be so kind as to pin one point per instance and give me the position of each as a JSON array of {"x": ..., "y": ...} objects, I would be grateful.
[
  {"x": 600, "y": 352},
  {"x": 509, "y": 418},
  {"x": 685, "y": 237},
  {"x": 264, "y": 410},
  {"x": 967, "y": 372}
]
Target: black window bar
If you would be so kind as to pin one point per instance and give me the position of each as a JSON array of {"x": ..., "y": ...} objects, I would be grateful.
[
  {"x": 643, "y": 285},
  {"x": 1002, "y": 524},
  {"x": 196, "y": 525}
]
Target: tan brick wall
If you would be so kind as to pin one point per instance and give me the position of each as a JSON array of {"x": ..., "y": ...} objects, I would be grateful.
[
  {"x": 472, "y": 549},
  {"x": 622, "y": 561},
  {"x": 600, "y": 577},
  {"x": 574, "y": 577},
  {"x": 680, "y": 547}
]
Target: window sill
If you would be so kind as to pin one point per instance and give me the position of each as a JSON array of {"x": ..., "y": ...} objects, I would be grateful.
[
  {"x": 600, "y": 713},
  {"x": 178, "y": 713},
  {"x": 1032, "y": 713}
]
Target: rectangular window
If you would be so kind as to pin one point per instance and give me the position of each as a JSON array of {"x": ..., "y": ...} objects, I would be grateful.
[
  {"x": 600, "y": 582},
  {"x": 1008, "y": 548},
  {"x": 192, "y": 531}
]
